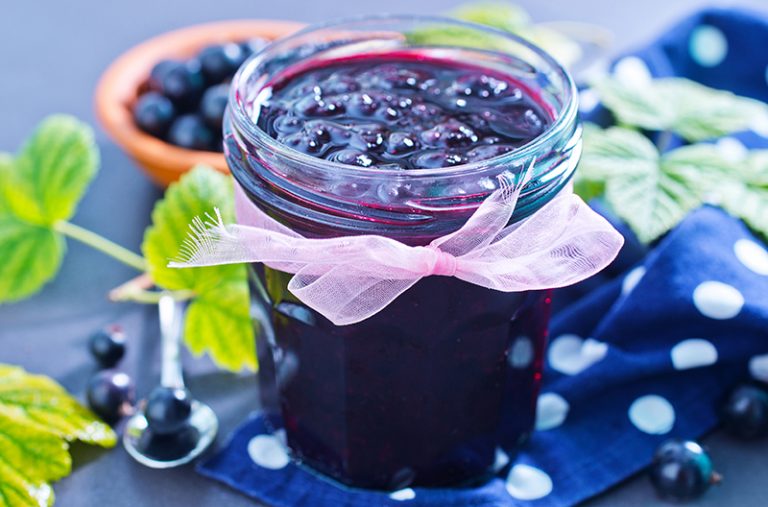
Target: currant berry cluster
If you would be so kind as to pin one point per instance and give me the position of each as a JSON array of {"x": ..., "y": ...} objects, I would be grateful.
[
  {"x": 682, "y": 470},
  {"x": 184, "y": 100},
  {"x": 110, "y": 393}
]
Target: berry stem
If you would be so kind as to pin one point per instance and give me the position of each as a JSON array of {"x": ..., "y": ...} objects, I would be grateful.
[{"x": 101, "y": 244}]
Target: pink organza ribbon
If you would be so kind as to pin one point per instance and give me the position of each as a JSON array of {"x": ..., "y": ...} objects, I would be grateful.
[{"x": 348, "y": 279}]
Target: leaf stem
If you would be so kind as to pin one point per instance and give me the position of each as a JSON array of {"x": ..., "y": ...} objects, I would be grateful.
[
  {"x": 256, "y": 281},
  {"x": 137, "y": 290},
  {"x": 101, "y": 244}
]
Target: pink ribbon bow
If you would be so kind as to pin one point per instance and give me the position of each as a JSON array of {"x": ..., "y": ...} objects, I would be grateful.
[{"x": 348, "y": 279}]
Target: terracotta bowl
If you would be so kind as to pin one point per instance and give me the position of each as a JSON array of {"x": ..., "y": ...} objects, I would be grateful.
[{"x": 120, "y": 84}]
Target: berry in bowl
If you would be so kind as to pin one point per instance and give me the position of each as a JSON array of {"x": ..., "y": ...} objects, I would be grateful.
[
  {"x": 365, "y": 127},
  {"x": 163, "y": 100}
]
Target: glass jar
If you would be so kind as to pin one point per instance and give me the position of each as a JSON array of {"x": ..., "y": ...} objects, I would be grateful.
[{"x": 425, "y": 392}]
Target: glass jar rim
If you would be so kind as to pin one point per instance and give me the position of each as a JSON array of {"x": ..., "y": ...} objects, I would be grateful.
[{"x": 562, "y": 121}]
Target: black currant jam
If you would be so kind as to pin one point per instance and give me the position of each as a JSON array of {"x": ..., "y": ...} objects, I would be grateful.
[
  {"x": 385, "y": 112},
  {"x": 404, "y": 143}
]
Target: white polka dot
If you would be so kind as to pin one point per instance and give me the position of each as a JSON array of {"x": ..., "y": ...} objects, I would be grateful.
[
  {"x": 267, "y": 452},
  {"x": 570, "y": 354},
  {"x": 760, "y": 124},
  {"x": 717, "y": 300},
  {"x": 752, "y": 255},
  {"x": 525, "y": 482},
  {"x": 501, "y": 460},
  {"x": 758, "y": 367},
  {"x": 551, "y": 411},
  {"x": 588, "y": 100},
  {"x": 652, "y": 414},
  {"x": 708, "y": 46},
  {"x": 403, "y": 495},
  {"x": 521, "y": 354},
  {"x": 693, "y": 353},
  {"x": 732, "y": 149},
  {"x": 632, "y": 71},
  {"x": 632, "y": 279}
]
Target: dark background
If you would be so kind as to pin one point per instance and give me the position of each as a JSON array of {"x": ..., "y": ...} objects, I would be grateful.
[{"x": 51, "y": 55}]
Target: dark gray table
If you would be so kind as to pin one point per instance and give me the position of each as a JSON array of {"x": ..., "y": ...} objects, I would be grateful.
[{"x": 51, "y": 54}]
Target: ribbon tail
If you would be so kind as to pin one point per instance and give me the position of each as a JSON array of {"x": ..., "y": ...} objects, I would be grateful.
[
  {"x": 212, "y": 243},
  {"x": 562, "y": 244},
  {"x": 348, "y": 294}
]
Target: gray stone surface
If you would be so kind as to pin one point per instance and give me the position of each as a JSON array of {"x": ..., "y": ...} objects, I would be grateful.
[{"x": 51, "y": 54}]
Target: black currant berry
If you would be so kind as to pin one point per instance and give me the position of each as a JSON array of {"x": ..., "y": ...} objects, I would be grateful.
[
  {"x": 107, "y": 346},
  {"x": 181, "y": 82},
  {"x": 220, "y": 62},
  {"x": 682, "y": 470},
  {"x": 168, "y": 410},
  {"x": 154, "y": 114},
  {"x": 190, "y": 131},
  {"x": 111, "y": 395},
  {"x": 745, "y": 412},
  {"x": 213, "y": 105}
]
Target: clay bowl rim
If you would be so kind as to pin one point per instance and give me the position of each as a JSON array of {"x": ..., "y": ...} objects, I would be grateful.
[{"x": 120, "y": 83}]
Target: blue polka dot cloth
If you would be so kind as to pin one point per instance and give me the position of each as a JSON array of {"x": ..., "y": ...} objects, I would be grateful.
[{"x": 638, "y": 354}]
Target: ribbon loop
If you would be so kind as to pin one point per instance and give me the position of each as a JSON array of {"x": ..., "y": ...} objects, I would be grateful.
[{"x": 351, "y": 278}]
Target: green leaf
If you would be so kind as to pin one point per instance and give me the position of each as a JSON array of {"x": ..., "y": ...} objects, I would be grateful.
[
  {"x": 218, "y": 321},
  {"x": 613, "y": 152},
  {"x": 37, "y": 419},
  {"x": 44, "y": 402},
  {"x": 52, "y": 171},
  {"x": 651, "y": 203},
  {"x": 747, "y": 198},
  {"x": 502, "y": 15},
  {"x": 652, "y": 194},
  {"x": 6, "y": 166},
  {"x": 685, "y": 107},
  {"x": 457, "y": 36},
  {"x": 195, "y": 195},
  {"x": 31, "y": 256},
  {"x": 514, "y": 19}
]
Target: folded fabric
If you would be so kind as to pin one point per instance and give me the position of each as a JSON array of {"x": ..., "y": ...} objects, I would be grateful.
[{"x": 634, "y": 360}]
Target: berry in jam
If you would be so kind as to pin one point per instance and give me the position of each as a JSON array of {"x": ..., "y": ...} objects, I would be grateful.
[{"x": 400, "y": 114}]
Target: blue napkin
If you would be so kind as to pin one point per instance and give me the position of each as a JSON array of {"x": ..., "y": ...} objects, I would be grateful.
[{"x": 638, "y": 355}]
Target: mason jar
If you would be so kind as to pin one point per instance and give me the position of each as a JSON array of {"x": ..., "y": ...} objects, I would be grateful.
[{"x": 429, "y": 390}]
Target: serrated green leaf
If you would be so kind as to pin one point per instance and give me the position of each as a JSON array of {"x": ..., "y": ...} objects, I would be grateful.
[
  {"x": 702, "y": 166},
  {"x": 37, "y": 419},
  {"x": 16, "y": 491},
  {"x": 613, "y": 152},
  {"x": 52, "y": 171},
  {"x": 690, "y": 109},
  {"x": 651, "y": 203},
  {"x": 195, "y": 195},
  {"x": 219, "y": 323},
  {"x": 6, "y": 166},
  {"x": 502, "y": 15},
  {"x": 514, "y": 19},
  {"x": 634, "y": 104},
  {"x": 457, "y": 36},
  {"x": 42, "y": 401},
  {"x": 218, "y": 320},
  {"x": 747, "y": 198},
  {"x": 31, "y": 256}
]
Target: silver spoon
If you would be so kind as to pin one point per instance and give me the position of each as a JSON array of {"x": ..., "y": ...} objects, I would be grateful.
[{"x": 138, "y": 439}]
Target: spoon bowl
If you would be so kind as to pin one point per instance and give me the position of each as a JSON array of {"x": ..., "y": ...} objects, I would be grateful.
[{"x": 168, "y": 451}]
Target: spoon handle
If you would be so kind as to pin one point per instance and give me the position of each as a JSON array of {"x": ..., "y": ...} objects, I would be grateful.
[{"x": 171, "y": 320}]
